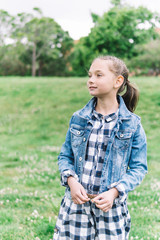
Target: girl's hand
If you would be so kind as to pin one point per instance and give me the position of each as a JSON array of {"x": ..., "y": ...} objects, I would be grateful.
[
  {"x": 104, "y": 201},
  {"x": 78, "y": 192}
]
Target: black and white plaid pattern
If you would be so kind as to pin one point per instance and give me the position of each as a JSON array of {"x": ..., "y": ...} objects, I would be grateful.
[
  {"x": 97, "y": 144},
  {"x": 87, "y": 222}
]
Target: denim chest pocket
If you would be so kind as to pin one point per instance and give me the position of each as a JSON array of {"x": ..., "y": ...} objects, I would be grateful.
[
  {"x": 122, "y": 140},
  {"x": 76, "y": 136}
]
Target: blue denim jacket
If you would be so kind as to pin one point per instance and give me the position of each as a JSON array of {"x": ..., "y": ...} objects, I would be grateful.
[{"x": 125, "y": 161}]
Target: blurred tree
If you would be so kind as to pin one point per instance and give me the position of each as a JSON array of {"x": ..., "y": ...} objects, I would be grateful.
[
  {"x": 42, "y": 37},
  {"x": 10, "y": 64},
  {"x": 117, "y": 32},
  {"x": 6, "y": 21},
  {"x": 148, "y": 61},
  {"x": 116, "y": 3}
]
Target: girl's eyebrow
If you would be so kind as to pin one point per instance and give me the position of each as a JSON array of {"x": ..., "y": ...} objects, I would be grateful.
[{"x": 96, "y": 71}]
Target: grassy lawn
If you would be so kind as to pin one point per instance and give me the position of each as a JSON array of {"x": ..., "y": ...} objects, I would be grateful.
[{"x": 34, "y": 117}]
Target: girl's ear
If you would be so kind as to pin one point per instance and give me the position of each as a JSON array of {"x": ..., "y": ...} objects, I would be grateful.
[{"x": 119, "y": 81}]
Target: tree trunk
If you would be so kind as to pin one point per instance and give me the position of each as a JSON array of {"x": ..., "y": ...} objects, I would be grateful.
[
  {"x": 34, "y": 60},
  {"x": 40, "y": 68}
]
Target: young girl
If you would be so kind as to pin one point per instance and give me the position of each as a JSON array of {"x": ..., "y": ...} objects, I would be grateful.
[{"x": 102, "y": 159}]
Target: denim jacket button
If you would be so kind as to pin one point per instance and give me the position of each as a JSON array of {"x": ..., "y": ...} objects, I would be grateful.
[
  {"x": 84, "y": 139},
  {"x": 121, "y": 135},
  {"x": 80, "y": 159},
  {"x": 78, "y": 132}
]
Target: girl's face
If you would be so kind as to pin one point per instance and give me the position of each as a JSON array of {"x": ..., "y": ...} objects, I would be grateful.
[{"x": 101, "y": 82}]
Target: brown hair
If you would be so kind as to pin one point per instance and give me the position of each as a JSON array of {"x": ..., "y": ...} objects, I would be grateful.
[{"x": 118, "y": 67}]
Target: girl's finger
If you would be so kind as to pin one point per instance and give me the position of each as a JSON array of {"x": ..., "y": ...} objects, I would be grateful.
[
  {"x": 100, "y": 201},
  {"x": 105, "y": 209},
  {"x": 83, "y": 192},
  {"x": 79, "y": 196},
  {"x": 83, "y": 198},
  {"x": 99, "y": 197},
  {"x": 101, "y": 206},
  {"x": 79, "y": 201}
]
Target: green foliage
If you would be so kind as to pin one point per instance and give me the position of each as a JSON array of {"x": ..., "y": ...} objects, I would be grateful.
[
  {"x": 80, "y": 59},
  {"x": 116, "y": 3},
  {"x": 148, "y": 60},
  {"x": 95, "y": 17},
  {"x": 39, "y": 43},
  {"x": 40, "y": 46},
  {"x": 10, "y": 62},
  {"x": 6, "y": 23},
  {"x": 118, "y": 32},
  {"x": 46, "y": 40}
]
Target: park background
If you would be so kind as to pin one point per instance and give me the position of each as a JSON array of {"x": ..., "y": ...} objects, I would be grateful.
[{"x": 43, "y": 81}]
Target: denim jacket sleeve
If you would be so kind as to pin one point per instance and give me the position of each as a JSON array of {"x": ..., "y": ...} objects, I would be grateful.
[
  {"x": 65, "y": 175},
  {"x": 137, "y": 167},
  {"x": 66, "y": 158}
]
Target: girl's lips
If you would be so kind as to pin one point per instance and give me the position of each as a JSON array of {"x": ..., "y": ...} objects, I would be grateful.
[{"x": 92, "y": 88}]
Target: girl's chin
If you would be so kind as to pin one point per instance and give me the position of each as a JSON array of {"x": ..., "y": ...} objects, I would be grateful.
[{"x": 92, "y": 94}]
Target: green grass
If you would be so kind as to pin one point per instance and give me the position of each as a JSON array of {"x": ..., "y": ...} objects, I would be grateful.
[{"x": 34, "y": 117}]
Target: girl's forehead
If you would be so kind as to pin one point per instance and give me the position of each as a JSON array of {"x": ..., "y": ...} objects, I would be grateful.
[{"x": 99, "y": 65}]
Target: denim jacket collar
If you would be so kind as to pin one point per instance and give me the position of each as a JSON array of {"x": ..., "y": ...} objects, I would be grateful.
[{"x": 86, "y": 112}]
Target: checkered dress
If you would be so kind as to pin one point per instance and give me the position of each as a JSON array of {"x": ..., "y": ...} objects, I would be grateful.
[
  {"x": 97, "y": 144},
  {"x": 86, "y": 221}
]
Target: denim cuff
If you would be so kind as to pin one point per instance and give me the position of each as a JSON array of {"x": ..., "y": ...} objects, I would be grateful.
[
  {"x": 122, "y": 194},
  {"x": 65, "y": 175}
]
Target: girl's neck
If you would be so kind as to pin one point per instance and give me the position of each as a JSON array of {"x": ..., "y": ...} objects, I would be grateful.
[{"x": 107, "y": 106}]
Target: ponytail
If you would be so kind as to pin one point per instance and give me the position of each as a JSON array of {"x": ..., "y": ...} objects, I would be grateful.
[{"x": 131, "y": 96}]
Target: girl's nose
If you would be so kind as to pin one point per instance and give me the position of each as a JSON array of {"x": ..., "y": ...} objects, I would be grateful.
[{"x": 91, "y": 79}]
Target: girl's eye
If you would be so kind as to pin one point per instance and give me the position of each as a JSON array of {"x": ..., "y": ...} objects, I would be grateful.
[
  {"x": 89, "y": 76},
  {"x": 99, "y": 75}
]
